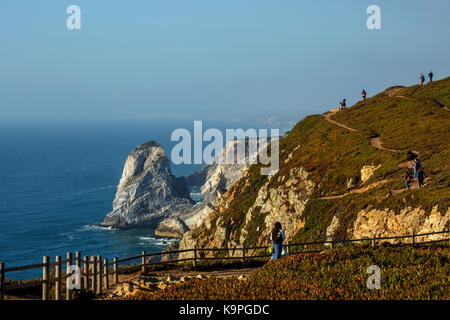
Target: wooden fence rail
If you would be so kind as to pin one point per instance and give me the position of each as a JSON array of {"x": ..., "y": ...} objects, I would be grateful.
[{"x": 93, "y": 272}]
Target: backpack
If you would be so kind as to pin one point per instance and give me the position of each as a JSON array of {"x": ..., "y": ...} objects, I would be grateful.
[
  {"x": 279, "y": 237},
  {"x": 418, "y": 165}
]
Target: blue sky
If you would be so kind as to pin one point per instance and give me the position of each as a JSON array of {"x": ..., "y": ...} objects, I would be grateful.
[{"x": 210, "y": 59}]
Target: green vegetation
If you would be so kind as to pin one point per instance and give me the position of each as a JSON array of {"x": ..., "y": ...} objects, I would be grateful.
[{"x": 406, "y": 273}]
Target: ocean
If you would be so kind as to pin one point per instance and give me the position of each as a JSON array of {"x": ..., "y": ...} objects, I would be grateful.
[{"x": 58, "y": 180}]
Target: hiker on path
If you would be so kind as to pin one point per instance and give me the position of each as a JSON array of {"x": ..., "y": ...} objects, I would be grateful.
[
  {"x": 420, "y": 177},
  {"x": 407, "y": 178},
  {"x": 430, "y": 76},
  {"x": 416, "y": 165},
  {"x": 342, "y": 105},
  {"x": 277, "y": 236},
  {"x": 364, "y": 93},
  {"x": 422, "y": 79}
]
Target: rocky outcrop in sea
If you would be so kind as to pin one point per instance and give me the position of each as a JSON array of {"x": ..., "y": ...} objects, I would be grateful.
[{"x": 148, "y": 192}]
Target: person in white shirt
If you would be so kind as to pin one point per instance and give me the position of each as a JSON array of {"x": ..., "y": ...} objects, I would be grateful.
[{"x": 277, "y": 236}]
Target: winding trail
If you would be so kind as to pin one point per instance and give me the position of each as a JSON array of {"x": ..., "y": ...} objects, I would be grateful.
[
  {"x": 403, "y": 97},
  {"x": 360, "y": 190},
  {"x": 329, "y": 114},
  {"x": 375, "y": 142}
]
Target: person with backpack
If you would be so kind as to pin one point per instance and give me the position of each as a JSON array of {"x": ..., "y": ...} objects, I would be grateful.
[
  {"x": 430, "y": 76},
  {"x": 407, "y": 178},
  {"x": 364, "y": 95},
  {"x": 416, "y": 165},
  {"x": 277, "y": 236},
  {"x": 420, "y": 177},
  {"x": 342, "y": 105},
  {"x": 422, "y": 79}
]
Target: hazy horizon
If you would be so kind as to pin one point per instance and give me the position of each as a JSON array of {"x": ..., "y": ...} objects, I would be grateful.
[{"x": 210, "y": 60}]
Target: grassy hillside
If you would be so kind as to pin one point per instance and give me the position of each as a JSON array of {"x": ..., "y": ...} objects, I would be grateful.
[
  {"x": 408, "y": 119},
  {"x": 406, "y": 273}
]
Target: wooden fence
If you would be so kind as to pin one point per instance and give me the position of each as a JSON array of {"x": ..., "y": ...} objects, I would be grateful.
[{"x": 95, "y": 272}]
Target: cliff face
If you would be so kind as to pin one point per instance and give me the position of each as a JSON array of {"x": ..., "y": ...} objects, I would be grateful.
[
  {"x": 147, "y": 192},
  {"x": 338, "y": 182},
  {"x": 220, "y": 176},
  {"x": 385, "y": 223}
]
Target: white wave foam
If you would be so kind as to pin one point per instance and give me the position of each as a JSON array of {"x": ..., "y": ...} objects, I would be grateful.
[
  {"x": 90, "y": 227},
  {"x": 146, "y": 238}
]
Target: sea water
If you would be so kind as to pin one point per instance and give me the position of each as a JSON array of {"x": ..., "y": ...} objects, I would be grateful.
[{"x": 58, "y": 180}]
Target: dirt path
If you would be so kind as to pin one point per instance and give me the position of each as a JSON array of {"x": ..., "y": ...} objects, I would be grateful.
[
  {"x": 403, "y": 97},
  {"x": 393, "y": 91},
  {"x": 413, "y": 185},
  {"x": 327, "y": 117},
  {"x": 155, "y": 278},
  {"x": 360, "y": 190},
  {"x": 376, "y": 142}
]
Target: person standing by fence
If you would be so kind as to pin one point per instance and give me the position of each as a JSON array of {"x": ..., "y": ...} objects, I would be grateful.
[{"x": 277, "y": 236}]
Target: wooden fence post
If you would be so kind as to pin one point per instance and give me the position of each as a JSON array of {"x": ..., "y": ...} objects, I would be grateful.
[
  {"x": 116, "y": 270},
  {"x": 86, "y": 272},
  {"x": 373, "y": 241},
  {"x": 69, "y": 263},
  {"x": 414, "y": 238},
  {"x": 194, "y": 262},
  {"x": 94, "y": 273},
  {"x": 106, "y": 272},
  {"x": 243, "y": 254},
  {"x": 99, "y": 275},
  {"x": 45, "y": 284},
  {"x": 58, "y": 278},
  {"x": 2, "y": 280},
  {"x": 289, "y": 247},
  {"x": 143, "y": 262}
]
